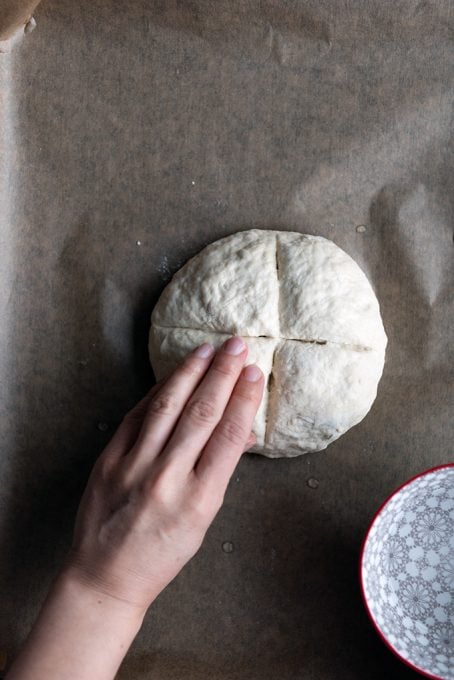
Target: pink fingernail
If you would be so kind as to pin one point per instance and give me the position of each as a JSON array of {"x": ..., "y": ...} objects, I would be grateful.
[
  {"x": 204, "y": 351},
  {"x": 234, "y": 346},
  {"x": 252, "y": 373}
]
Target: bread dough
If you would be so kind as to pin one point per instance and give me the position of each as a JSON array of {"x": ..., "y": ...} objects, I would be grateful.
[
  {"x": 320, "y": 391},
  {"x": 230, "y": 287},
  {"x": 309, "y": 317},
  {"x": 325, "y": 295},
  {"x": 169, "y": 346}
]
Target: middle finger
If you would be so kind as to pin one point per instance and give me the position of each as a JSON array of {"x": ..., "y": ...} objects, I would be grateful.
[{"x": 205, "y": 408}]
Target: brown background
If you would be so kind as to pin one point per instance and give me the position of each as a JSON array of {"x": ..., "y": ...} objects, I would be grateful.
[
  {"x": 15, "y": 14},
  {"x": 172, "y": 124}
]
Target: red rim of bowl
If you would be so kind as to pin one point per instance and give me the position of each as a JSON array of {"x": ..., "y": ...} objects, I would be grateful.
[{"x": 363, "y": 594}]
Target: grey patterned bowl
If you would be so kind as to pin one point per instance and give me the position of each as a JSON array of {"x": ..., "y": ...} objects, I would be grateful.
[{"x": 407, "y": 572}]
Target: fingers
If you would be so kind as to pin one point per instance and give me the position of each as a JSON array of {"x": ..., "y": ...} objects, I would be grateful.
[
  {"x": 228, "y": 441},
  {"x": 169, "y": 407},
  {"x": 165, "y": 407},
  {"x": 206, "y": 407},
  {"x": 128, "y": 431}
]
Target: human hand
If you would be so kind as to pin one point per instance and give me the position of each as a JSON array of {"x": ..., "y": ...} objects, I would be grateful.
[
  {"x": 161, "y": 480},
  {"x": 148, "y": 503}
]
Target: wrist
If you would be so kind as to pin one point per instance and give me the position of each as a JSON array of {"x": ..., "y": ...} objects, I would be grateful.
[
  {"x": 114, "y": 581},
  {"x": 81, "y": 633},
  {"x": 85, "y": 595}
]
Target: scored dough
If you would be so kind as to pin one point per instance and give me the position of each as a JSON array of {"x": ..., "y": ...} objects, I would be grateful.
[
  {"x": 309, "y": 317},
  {"x": 230, "y": 287},
  {"x": 320, "y": 392},
  {"x": 329, "y": 297},
  {"x": 171, "y": 345}
]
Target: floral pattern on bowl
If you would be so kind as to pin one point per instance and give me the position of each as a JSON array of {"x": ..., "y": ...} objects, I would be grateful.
[{"x": 407, "y": 572}]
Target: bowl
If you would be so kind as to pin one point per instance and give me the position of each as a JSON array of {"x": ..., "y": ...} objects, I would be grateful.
[{"x": 407, "y": 572}]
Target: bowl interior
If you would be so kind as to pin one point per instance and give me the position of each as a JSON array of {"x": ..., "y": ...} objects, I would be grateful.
[{"x": 407, "y": 572}]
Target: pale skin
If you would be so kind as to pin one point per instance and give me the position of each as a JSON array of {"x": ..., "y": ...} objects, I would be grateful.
[{"x": 150, "y": 498}]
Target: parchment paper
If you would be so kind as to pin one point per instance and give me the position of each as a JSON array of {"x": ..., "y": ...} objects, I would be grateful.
[
  {"x": 15, "y": 16},
  {"x": 135, "y": 133}
]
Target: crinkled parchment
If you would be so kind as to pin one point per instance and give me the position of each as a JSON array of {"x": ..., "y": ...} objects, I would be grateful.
[{"x": 132, "y": 135}]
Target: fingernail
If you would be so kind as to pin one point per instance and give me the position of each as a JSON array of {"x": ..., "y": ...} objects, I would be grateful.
[
  {"x": 204, "y": 351},
  {"x": 252, "y": 373},
  {"x": 234, "y": 346}
]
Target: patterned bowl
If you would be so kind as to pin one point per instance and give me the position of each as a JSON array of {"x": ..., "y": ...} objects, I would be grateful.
[{"x": 407, "y": 572}]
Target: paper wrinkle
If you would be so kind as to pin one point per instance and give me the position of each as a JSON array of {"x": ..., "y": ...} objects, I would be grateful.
[
  {"x": 289, "y": 36},
  {"x": 297, "y": 35},
  {"x": 418, "y": 246},
  {"x": 402, "y": 213},
  {"x": 416, "y": 293},
  {"x": 292, "y": 50},
  {"x": 360, "y": 172},
  {"x": 7, "y": 45},
  {"x": 116, "y": 322},
  {"x": 7, "y": 179},
  {"x": 30, "y": 25},
  {"x": 8, "y": 274}
]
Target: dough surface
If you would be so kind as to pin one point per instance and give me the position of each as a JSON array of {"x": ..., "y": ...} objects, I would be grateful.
[
  {"x": 171, "y": 345},
  {"x": 309, "y": 317},
  {"x": 230, "y": 287},
  {"x": 320, "y": 392}
]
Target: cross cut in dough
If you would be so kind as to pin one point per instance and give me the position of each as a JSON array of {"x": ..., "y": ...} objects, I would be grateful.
[{"x": 309, "y": 317}]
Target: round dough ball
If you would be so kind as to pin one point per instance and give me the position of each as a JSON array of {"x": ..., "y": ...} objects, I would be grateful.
[{"x": 309, "y": 317}]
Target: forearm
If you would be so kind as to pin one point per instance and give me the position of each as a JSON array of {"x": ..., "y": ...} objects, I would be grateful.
[{"x": 80, "y": 634}]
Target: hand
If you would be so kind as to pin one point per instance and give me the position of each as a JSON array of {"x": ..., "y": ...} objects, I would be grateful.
[
  {"x": 148, "y": 503},
  {"x": 161, "y": 480}
]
